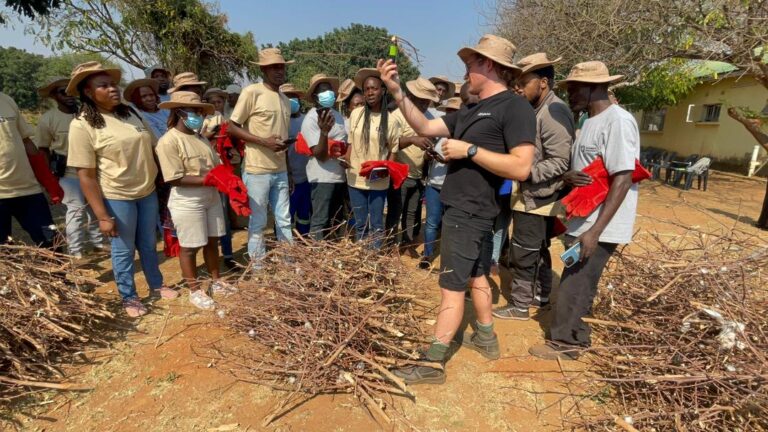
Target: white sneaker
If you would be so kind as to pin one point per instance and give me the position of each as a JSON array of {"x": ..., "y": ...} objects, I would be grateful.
[
  {"x": 201, "y": 301},
  {"x": 221, "y": 288}
]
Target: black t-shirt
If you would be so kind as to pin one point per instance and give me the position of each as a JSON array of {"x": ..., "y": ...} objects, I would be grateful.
[{"x": 498, "y": 124}]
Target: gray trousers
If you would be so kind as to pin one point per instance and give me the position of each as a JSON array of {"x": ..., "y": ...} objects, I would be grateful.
[
  {"x": 530, "y": 260},
  {"x": 578, "y": 287},
  {"x": 327, "y": 208}
]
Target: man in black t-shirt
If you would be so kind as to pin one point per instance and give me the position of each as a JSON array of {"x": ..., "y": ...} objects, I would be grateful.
[{"x": 490, "y": 141}]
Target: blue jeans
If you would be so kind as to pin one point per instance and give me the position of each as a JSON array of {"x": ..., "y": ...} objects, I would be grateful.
[
  {"x": 301, "y": 206},
  {"x": 265, "y": 190},
  {"x": 226, "y": 240},
  {"x": 368, "y": 207},
  {"x": 434, "y": 219},
  {"x": 136, "y": 228},
  {"x": 501, "y": 227}
]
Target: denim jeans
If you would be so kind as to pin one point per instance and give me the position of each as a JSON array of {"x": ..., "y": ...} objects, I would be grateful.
[
  {"x": 80, "y": 224},
  {"x": 301, "y": 207},
  {"x": 226, "y": 239},
  {"x": 136, "y": 228},
  {"x": 368, "y": 207},
  {"x": 32, "y": 213},
  {"x": 501, "y": 227},
  {"x": 265, "y": 190},
  {"x": 434, "y": 219}
]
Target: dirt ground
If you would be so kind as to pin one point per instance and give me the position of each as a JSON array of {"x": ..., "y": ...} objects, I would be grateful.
[{"x": 159, "y": 375}]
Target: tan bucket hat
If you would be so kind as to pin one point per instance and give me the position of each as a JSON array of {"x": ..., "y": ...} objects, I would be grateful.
[
  {"x": 444, "y": 79},
  {"x": 290, "y": 89},
  {"x": 233, "y": 89},
  {"x": 215, "y": 91},
  {"x": 185, "y": 79},
  {"x": 591, "y": 72},
  {"x": 271, "y": 56},
  {"x": 452, "y": 103},
  {"x": 346, "y": 89},
  {"x": 423, "y": 88},
  {"x": 136, "y": 84},
  {"x": 535, "y": 62},
  {"x": 317, "y": 79},
  {"x": 493, "y": 47},
  {"x": 45, "y": 91},
  {"x": 84, "y": 70},
  {"x": 150, "y": 70},
  {"x": 186, "y": 99},
  {"x": 363, "y": 74}
]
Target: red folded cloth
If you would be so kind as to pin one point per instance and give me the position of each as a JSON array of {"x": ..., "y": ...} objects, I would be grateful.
[
  {"x": 398, "y": 172},
  {"x": 45, "y": 177},
  {"x": 224, "y": 180},
  {"x": 583, "y": 200},
  {"x": 225, "y": 144},
  {"x": 336, "y": 148},
  {"x": 171, "y": 246}
]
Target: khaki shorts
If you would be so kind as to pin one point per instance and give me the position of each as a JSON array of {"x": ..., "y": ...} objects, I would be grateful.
[{"x": 197, "y": 214}]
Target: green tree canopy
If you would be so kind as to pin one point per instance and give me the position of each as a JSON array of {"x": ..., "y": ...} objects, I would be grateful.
[
  {"x": 182, "y": 35},
  {"x": 30, "y": 8},
  {"x": 341, "y": 53}
]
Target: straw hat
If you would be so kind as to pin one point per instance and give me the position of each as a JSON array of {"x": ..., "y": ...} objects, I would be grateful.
[
  {"x": 591, "y": 72},
  {"x": 458, "y": 88},
  {"x": 150, "y": 70},
  {"x": 535, "y": 62},
  {"x": 136, "y": 84},
  {"x": 345, "y": 90},
  {"x": 444, "y": 79},
  {"x": 452, "y": 103},
  {"x": 185, "y": 79},
  {"x": 423, "y": 88},
  {"x": 45, "y": 91},
  {"x": 271, "y": 56},
  {"x": 186, "y": 99},
  {"x": 363, "y": 74},
  {"x": 84, "y": 70},
  {"x": 213, "y": 91},
  {"x": 493, "y": 47},
  {"x": 233, "y": 88},
  {"x": 290, "y": 89},
  {"x": 320, "y": 78}
]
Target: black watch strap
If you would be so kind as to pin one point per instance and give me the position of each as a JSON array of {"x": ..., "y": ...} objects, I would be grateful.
[{"x": 471, "y": 151}]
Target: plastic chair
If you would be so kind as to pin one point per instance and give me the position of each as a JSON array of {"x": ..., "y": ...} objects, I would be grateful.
[
  {"x": 663, "y": 161},
  {"x": 676, "y": 169},
  {"x": 700, "y": 170}
]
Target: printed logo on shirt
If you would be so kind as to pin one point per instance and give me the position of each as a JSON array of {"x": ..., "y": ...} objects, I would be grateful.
[{"x": 483, "y": 114}]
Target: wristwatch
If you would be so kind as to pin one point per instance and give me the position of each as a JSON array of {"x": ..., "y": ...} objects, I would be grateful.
[{"x": 471, "y": 151}]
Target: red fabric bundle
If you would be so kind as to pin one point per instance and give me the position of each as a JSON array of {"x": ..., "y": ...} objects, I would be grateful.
[
  {"x": 45, "y": 177},
  {"x": 398, "y": 172},
  {"x": 171, "y": 246},
  {"x": 225, "y": 144},
  {"x": 336, "y": 148},
  {"x": 583, "y": 200},
  {"x": 224, "y": 180}
]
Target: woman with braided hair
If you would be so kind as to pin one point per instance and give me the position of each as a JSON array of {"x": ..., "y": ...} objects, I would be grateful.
[{"x": 113, "y": 151}]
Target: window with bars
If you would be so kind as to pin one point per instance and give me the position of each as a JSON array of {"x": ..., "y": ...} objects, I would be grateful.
[
  {"x": 711, "y": 113},
  {"x": 654, "y": 120}
]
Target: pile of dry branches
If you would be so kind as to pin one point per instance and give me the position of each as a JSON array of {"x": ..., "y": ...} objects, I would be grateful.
[
  {"x": 327, "y": 317},
  {"x": 681, "y": 332},
  {"x": 45, "y": 318}
]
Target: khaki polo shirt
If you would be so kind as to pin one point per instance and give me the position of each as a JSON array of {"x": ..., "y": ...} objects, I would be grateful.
[
  {"x": 411, "y": 155},
  {"x": 183, "y": 154},
  {"x": 369, "y": 151},
  {"x": 264, "y": 113},
  {"x": 53, "y": 132},
  {"x": 517, "y": 204},
  {"x": 122, "y": 153},
  {"x": 212, "y": 121},
  {"x": 16, "y": 176}
]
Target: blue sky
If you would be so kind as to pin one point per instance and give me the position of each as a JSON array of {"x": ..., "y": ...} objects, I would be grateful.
[{"x": 439, "y": 28}]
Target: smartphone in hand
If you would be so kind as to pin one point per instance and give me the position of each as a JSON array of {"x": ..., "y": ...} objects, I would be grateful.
[
  {"x": 572, "y": 255},
  {"x": 378, "y": 174}
]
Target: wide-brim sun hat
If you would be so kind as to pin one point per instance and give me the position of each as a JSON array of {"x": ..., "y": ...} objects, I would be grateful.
[
  {"x": 452, "y": 103},
  {"x": 346, "y": 89},
  {"x": 363, "y": 74},
  {"x": 423, "y": 88},
  {"x": 320, "y": 78},
  {"x": 136, "y": 84},
  {"x": 271, "y": 56},
  {"x": 233, "y": 89},
  {"x": 150, "y": 70},
  {"x": 290, "y": 89},
  {"x": 84, "y": 70},
  {"x": 215, "y": 91},
  {"x": 444, "y": 79},
  {"x": 187, "y": 99},
  {"x": 493, "y": 47},
  {"x": 185, "y": 79},
  {"x": 591, "y": 72},
  {"x": 45, "y": 91},
  {"x": 535, "y": 62}
]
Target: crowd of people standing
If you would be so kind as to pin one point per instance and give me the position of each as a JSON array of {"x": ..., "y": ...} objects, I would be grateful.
[{"x": 169, "y": 155}]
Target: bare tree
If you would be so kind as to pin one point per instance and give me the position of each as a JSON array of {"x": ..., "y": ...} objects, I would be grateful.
[{"x": 634, "y": 36}]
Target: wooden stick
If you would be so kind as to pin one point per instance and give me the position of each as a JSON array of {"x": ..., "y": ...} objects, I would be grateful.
[
  {"x": 50, "y": 385},
  {"x": 162, "y": 330},
  {"x": 618, "y": 324}
]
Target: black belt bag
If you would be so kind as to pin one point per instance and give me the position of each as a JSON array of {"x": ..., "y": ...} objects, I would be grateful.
[{"x": 58, "y": 164}]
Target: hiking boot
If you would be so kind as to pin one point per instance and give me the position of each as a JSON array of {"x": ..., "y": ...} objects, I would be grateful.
[
  {"x": 540, "y": 302},
  {"x": 134, "y": 308},
  {"x": 488, "y": 348},
  {"x": 163, "y": 293},
  {"x": 510, "y": 312},
  {"x": 412, "y": 375},
  {"x": 550, "y": 351},
  {"x": 425, "y": 263}
]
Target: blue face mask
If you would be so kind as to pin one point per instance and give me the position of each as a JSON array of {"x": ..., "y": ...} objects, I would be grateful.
[
  {"x": 193, "y": 121},
  {"x": 326, "y": 98},
  {"x": 295, "y": 105}
]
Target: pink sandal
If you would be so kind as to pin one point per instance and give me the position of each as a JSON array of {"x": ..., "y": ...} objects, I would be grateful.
[
  {"x": 163, "y": 293},
  {"x": 134, "y": 308}
]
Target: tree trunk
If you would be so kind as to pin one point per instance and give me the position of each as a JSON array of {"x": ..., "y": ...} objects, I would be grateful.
[
  {"x": 754, "y": 128},
  {"x": 762, "y": 222}
]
